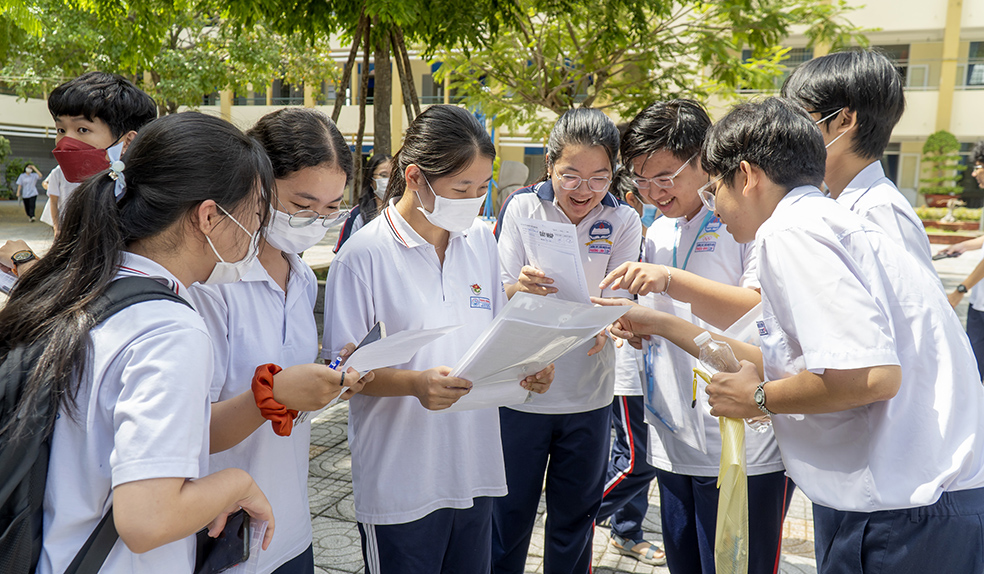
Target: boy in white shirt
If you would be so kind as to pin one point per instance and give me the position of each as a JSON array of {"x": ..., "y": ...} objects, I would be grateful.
[
  {"x": 864, "y": 368},
  {"x": 716, "y": 275},
  {"x": 856, "y": 97}
]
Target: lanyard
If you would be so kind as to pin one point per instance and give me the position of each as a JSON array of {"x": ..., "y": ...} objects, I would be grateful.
[{"x": 703, "y": 226}]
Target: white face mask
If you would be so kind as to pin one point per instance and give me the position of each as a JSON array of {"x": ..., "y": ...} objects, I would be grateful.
[
  {"x": 289, "y": 239},
  {"x": 821, "y": 120},
  {"x": 452, "y": 214},
  {"x": 230, "y": 272},
  {"x": 381, "y": 184}
]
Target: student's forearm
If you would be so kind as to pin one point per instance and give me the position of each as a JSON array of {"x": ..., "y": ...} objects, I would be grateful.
[
  {"x": 833, "y": 391},
  {"x": 975, "y": 276},
  {"x": 511, "y": 289},
  {"x": 232, "y": 421},
  {"x": 682, "y": 333},
  {"x": 392, "y": 383},
  {"x": 716, "y": 303},
  {"x": 151, "y": 513}
]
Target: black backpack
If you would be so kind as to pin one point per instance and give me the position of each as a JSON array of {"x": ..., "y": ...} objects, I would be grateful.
[{"x": 24, "y": 460}]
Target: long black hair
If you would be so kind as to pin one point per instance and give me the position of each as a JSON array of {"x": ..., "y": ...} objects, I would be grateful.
[
  {"x": 442, "y": 141},
  {"x": 367, "y": 197},
  {"x": 296, "y": 138},
  {"x": 174, "y": 164}
]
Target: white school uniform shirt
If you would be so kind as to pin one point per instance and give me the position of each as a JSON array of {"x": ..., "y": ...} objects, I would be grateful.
[
  {"x": 629, "y": 369},
  {"x": 839, "y": 293},
  {"x": 143, "y": 413},
  {"x": 29, "y": 184},
  {"x": 876, "y": 199},
  {"x": 408, "y": 461},
  {"x": 61, "y": 188},
  {"x": 715, "y": 255},
  {"x": 609, "y": 236},
  {"x": 253, "y": 322}
]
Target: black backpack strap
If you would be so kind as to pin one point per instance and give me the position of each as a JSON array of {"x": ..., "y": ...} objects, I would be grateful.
[
  {"x": 120, "y": 294},
  {"x": 124, "y": 292},
  {"x": 95, "y": 550}
]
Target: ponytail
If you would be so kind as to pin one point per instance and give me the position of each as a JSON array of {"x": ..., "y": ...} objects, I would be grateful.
[{"x": 170, "y": 170}]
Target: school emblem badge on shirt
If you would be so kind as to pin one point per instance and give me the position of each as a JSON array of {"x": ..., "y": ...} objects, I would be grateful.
[
  {"x": 599, "y": 235},
  {"x": 476, "y": 302}
]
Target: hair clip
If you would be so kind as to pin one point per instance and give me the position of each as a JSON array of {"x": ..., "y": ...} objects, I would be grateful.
[{"x": 116, "y": 174}]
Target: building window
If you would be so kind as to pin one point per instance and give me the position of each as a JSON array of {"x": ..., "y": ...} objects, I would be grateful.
[
  {"x": 975, "y": 64},
  {"x": 899, "y": 55},
  {"x": 794, "y": 58}
]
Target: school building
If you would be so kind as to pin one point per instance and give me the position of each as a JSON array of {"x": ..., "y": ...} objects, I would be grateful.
[{"x": 937, "y": 44}]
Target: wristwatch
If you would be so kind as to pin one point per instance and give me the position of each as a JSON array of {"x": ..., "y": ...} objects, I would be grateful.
[
  {"x": 961, "y": 288},
  {"x": 760, "y": 399},
  {"x": 21, "y": 257}
]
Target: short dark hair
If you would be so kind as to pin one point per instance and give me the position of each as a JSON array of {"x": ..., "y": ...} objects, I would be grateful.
[
  {"x": 977, "y": 154},
  {"x": 441, "y": 141},
  {"x": 678, "y": 126},
  {"x": 774, "y": 134},
  {"x": 585, "y": 127},
  {"x": 108, "y": 97},
  {"x": 863, "y": 81},
  {"x": 622, "y": 183},
  {"x": 367, "y": 196},
  {"x": 296, "y": 138}
]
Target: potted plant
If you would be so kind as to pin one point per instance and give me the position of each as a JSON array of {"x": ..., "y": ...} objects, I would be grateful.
[{"x": 941, "y": 164}]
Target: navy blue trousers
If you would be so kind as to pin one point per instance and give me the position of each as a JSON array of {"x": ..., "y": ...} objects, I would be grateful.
[
  {"x": 688, "y": 508},
  {"x": 943, "y": 537},
  {"x": 303, "y": 563},
  {"x": 975, "y": 331},
  {"x": 629, "y": 474},
  {"x": 572, "y": 450},
  {"x": 446, "y": 541}
]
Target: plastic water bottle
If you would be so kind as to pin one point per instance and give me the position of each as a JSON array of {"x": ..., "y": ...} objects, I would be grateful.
[{"x": 718, "y": 356}]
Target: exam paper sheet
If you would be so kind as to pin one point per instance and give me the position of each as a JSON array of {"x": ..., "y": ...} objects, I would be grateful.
[
  {"x": 528, "y": 334},
  {"x": 394, "y": 349},
  {"x": 552, "y": 247}
]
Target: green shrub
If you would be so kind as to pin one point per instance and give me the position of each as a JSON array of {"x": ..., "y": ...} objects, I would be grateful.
[{"x": 936, "y": 213}]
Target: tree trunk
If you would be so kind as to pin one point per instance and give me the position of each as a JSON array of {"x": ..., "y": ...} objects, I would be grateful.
[
  {"x": 336, "y": 111},
  {"x": 406, "y": 65},
  {"x": 402, "y": 71},
  {"x": 363, "y": 89},
  {"x": 382, "y": 97}
]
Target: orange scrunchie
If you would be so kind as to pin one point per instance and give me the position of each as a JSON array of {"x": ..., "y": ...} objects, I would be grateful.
[{"x": 280, "y": 416}]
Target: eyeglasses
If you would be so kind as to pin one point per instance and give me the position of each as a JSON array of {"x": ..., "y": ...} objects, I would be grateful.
[
  {"x": 305, "y": 217},
  {"x": 664, "y": 182},
  {"x": 707, "y": 192},
  {"x": 977, "y": 167},
  {"x": 596, "y": 184}
]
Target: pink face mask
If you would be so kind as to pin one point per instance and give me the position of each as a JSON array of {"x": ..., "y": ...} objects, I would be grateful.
[{"x": 79, "y": 160}]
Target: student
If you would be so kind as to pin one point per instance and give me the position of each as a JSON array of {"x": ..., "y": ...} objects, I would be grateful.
[
  {"x": 626, "y": 498},
  {"x": 268, "y": 317},
  {"x": 571, "y": 425},
  {"x": 375, "y": 179},
  {"x": 689, "y": 256},
  {"x": 857, "y": 97},
  {"x": 27, "y": 189},
  {"x": 975, "y": 313},
  {"x": 864, "y": 368},
  {"x": 424, "y": 480},
  {"x": 132, "y": 427},
  {"x": 96, "y": 116}
]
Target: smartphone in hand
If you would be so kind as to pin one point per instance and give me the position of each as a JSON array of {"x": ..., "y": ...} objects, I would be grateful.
[{"x": 230, "y": 548}]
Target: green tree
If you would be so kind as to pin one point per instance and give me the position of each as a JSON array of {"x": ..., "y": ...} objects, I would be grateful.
[
  {"x": 185, "y": 50},
  {"x": 623, "y": 55},
  {"x": 941, "y": 162}
]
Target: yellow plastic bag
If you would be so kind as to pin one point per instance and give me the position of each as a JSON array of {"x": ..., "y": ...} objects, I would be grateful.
[{"x": 731, "y": 534}]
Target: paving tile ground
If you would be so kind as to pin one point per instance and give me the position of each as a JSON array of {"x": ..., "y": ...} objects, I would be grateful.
[{"x": 336, "y": 538}]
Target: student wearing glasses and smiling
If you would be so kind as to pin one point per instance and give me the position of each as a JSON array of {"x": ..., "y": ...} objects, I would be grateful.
[
  {"x": 689, "y": 256},
  {"x": 571, "y": 424}
]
